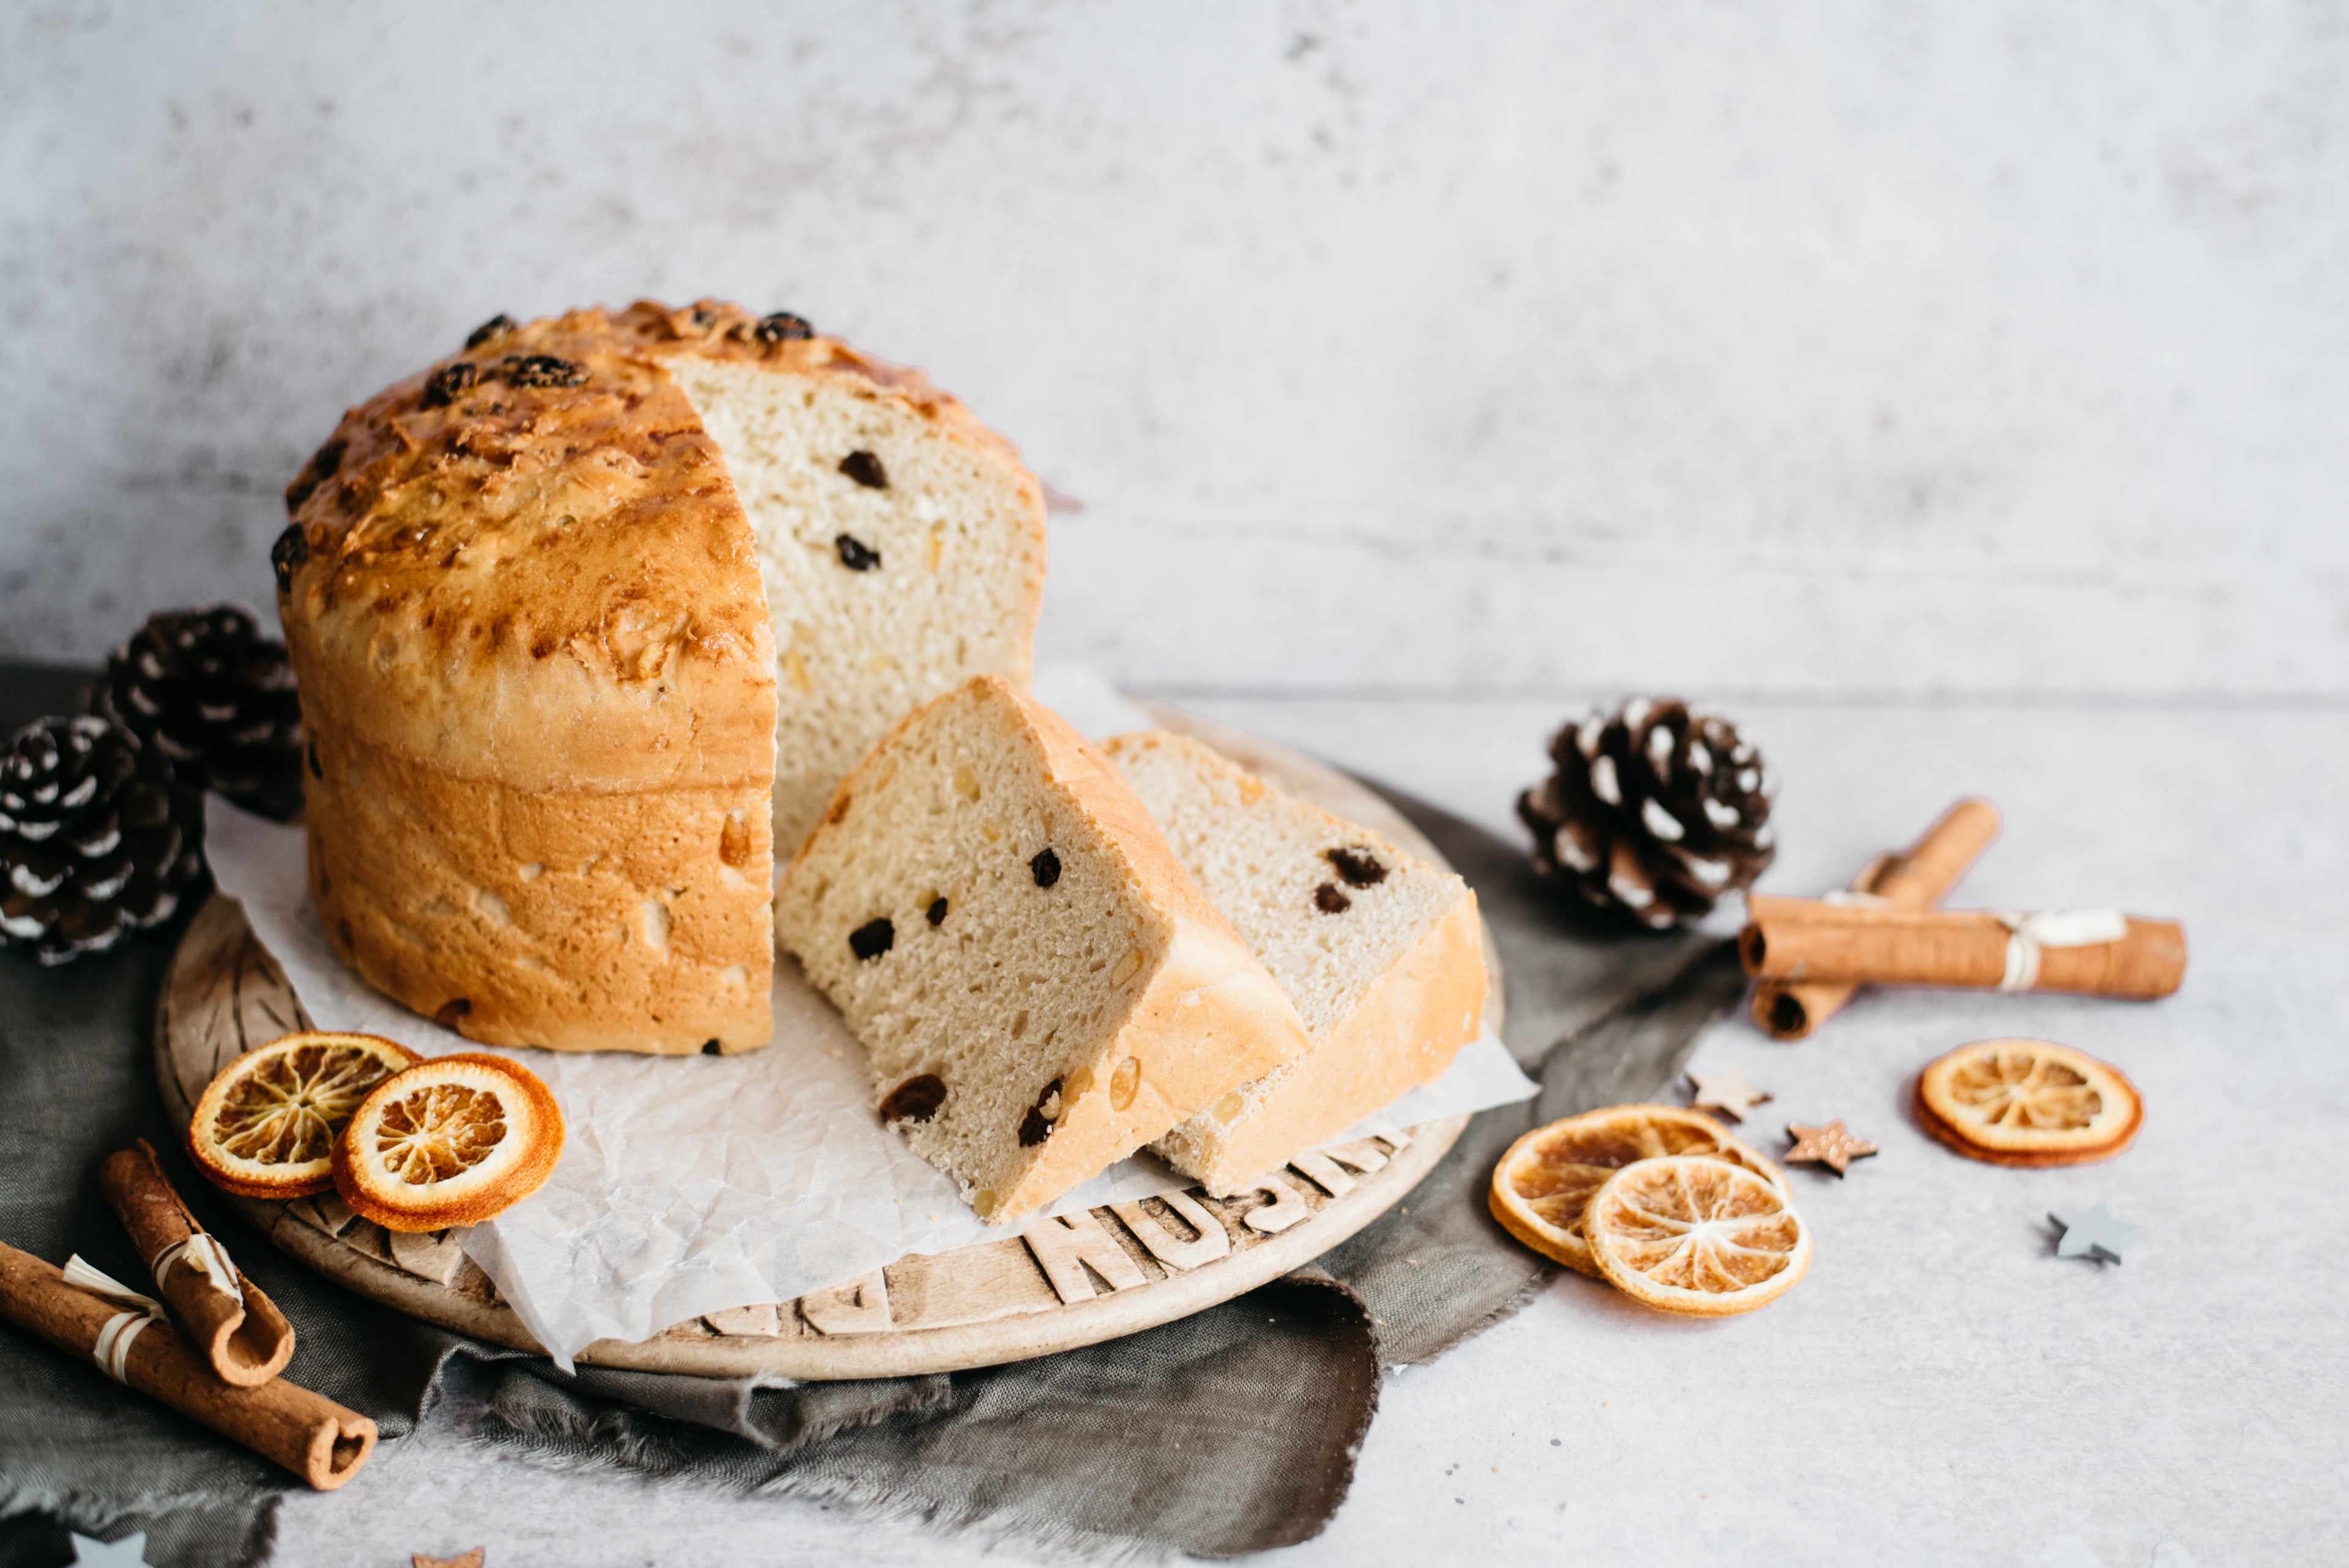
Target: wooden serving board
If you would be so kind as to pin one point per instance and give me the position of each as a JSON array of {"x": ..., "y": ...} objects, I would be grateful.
[{"x": 1061, "y": 1283}]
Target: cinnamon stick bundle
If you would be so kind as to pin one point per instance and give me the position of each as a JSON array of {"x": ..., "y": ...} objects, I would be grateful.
[
  {"x": 1916, "y": 878},
  {"x": 2100, "y": 953},
  {"x": 244, "y": 1337},
  {"x": 307, "y": 1433}
]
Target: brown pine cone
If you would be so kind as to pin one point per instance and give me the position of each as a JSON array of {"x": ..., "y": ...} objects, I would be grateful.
[
  {"x": 218, "y": 697},
  {"x": 97, "y": 838},
  {"x": 1656, "y": 813}
]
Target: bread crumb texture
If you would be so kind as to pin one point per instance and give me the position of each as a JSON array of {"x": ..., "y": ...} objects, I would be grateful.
[
  {"x": 1380, "y": 952},
  {"x": 898, "y": 560},
  {"x": 1038, "y": 986}
]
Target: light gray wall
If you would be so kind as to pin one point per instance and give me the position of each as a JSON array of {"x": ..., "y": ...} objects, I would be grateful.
[{"x": 1990, "y": 346}]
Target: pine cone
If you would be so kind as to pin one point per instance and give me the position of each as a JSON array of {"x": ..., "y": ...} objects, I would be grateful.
[
  {"x": 97, "y": 838},
  {"x": 1656, "y": 812},
  {"x": 218, "y": 697}
]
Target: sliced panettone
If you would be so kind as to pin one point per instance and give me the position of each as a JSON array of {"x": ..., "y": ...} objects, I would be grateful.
[
  {"x": 1040, "y": 987},
  {"x": 1380, "y": 952},
  {"x": 590, "y": 616}
]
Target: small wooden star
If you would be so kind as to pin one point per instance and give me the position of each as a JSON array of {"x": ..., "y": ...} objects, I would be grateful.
[
  {"x": 1727, "y": 1093},
  {"x": 466, "y": 1559},
  {"x": 2094, "y": 1234},
  {"x": 1829, "y": 1146}
]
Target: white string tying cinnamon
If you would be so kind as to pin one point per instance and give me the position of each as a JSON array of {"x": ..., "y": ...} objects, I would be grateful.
[
  {"x": 202, "y": 1253},
  {"x": 112, "y": 1351},
  {"x": 2027, "y": 933}
]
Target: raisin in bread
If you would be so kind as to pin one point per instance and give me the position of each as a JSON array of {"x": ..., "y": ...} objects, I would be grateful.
[
  {"x": 591, "y": 615},
  {"x": 1380, "y": 952},
  {"x": 1039, "y": 986}
]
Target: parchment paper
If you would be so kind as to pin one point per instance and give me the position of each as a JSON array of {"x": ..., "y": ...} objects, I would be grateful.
[{"x": 692, "y": 1184}]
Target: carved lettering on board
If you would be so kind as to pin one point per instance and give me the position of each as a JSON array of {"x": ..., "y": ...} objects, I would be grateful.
[
  {"x": 1360, "y": 1154},
  {"x": 428, "y": 1254},
  {"x": 761, "y": 1322},
  {"x": 367, "y": 1237},
  {"x": 472, "y": 1283},
  {"x": 860, "y": 1306},
  {"x": 1213, "y": 1241},
  {"x": 1287, "y": 1207},
  {"x": 1323, "y": 1172},
  {"x": 324, "y": 1212},
  {"x": 1334, "y": 1168},
  {"x": 1067, "y": 1245}
]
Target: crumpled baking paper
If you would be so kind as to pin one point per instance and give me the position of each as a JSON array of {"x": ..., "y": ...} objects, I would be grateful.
[{"x": 691, "y": 1184}]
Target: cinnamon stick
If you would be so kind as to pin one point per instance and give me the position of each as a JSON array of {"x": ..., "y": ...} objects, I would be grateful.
[
  {"x": 244, "y": 1337},
  {"x": 307, "y": 1433},
  {"x": 1916, "y": 878},
  {"x": 2099, "y": 952}
]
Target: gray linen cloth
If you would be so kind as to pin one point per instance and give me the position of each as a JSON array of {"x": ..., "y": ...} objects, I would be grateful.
[{"x": 1067, "y": 1454}]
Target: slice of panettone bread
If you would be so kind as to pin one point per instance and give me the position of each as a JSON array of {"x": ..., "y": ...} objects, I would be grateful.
[
  {"x": 1380, "y": 952},
  {"x": 1040, "y": 987}
]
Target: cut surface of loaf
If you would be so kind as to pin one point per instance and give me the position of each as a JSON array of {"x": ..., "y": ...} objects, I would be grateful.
[
  {"x": 900, "y": 553},
  {"x": 589, "y": 617},
  {"x": 1382, "y": 953},
  {"x": 1040, "y": 987}
]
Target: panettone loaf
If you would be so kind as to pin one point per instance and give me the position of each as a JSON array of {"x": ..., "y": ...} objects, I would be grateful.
[
  {"x": 588, "y": 617},
  {"x": 1382, "y": 953},
  {"x": 1040, "y": 987}
]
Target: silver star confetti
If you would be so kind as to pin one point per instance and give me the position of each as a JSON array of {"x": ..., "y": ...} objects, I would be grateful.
[
  {"x": 131, "y": 1551},
  {"x": 2094, "y": 1234},
  {"x": 1726, "y": 1092}
]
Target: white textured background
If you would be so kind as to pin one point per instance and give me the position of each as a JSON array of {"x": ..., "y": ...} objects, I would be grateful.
[
  {"x": 1942, "y": 382},
  {"x": 1991, "y": 348}
]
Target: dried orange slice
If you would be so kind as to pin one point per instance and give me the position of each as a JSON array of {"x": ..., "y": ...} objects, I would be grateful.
[
  {"x": 1692, "y": 1234},
  {"x": 2028, "y": 1102},
  {"x": 266, "y": 1126},
  {"x": 1541, "y": 1184},
  {"x": 451, "y": 1142}
]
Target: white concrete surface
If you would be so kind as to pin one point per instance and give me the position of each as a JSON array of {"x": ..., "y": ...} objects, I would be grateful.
[
  {"x": 1988, "y": 362},
  {"x": 1940, "y": 1389},
  {"x": 1986, "y": 347}
]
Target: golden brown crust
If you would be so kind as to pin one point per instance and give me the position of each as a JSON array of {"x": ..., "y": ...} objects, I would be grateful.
[
  {"x": 550, "y": 584},
  {"x": 523, "y": 603},
  {"x": 1403, "y": 1033},
  {"x": 545, "y": 575},
  {"x": 713, "y": 329},
  {"x": 573, "y": 920}
]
